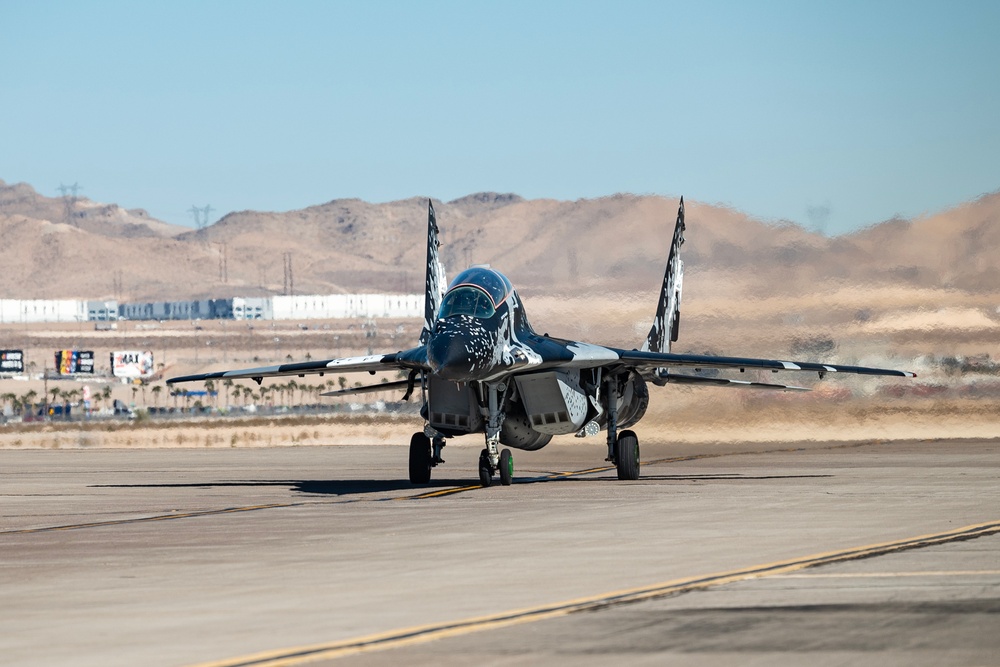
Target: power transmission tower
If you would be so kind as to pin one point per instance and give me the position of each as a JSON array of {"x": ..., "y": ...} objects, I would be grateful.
[
  {"x": 223, "y": 263},
  {"x": 196, "y": 212},
  {"x": 289, "y": 280},
  {"x": 69, "y": 200},
  {"x": 208, "y": 212},
  {"x": 118, "y": 287},
  {"x": 201, "y": 215}
]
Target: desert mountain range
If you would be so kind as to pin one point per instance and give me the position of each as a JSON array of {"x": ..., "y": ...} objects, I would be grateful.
[{"x": 58, "y": 248}]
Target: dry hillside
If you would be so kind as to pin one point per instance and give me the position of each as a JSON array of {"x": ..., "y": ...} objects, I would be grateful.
[{"x": 611, "y": 245}]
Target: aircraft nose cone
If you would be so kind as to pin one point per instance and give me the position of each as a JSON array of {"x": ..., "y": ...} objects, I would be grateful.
[
  {"x": 454, "y": 355},
  {"x": 448, "y": 357}
]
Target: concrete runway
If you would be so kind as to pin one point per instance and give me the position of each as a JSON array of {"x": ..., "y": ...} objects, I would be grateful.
[{"x": 719, "y": 555}]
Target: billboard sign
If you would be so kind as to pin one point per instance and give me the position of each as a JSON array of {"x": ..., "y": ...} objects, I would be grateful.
[
  {"x": 11, "y": 361},
  {"x": 70, "y": 362},
  {"x": 131, "y": 364}
]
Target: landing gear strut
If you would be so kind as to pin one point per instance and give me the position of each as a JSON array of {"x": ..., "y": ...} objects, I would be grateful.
[
  {"x": 623, "y": 448},
  {"x": 491, "y": 460}
]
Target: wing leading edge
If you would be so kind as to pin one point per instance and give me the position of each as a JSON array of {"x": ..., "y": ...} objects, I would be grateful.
[
  {"x": 653, "y": 360},
  {"x": 411, "y": 359}
]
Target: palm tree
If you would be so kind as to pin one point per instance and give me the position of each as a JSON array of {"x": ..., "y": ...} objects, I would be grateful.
[
  {"x": 210, "y": 389},
  {"x": 228, "y": 384},
  {"x": 283, "y": 388},
  {"x": 28, "y": 400},
  {"x": 106, "y": 395},
  {"x": 156, "y": 395}
]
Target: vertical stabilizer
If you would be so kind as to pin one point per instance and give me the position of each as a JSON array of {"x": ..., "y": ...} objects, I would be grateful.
[
  {"x": 666, "y": 324},
  {"x": 435, "y": 283}
]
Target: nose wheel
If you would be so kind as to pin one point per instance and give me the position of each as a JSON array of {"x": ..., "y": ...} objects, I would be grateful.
[{"x": 505, "y": 467}]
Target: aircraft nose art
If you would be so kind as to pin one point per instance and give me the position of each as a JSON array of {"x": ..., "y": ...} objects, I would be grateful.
[{"x": 460, "y": 351}]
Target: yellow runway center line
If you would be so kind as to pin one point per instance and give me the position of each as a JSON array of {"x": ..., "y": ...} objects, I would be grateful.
[
  {"x": 146, "y": 519},
  {"x": 431, "y": 632},
  {"x": 877, "y": 575}
]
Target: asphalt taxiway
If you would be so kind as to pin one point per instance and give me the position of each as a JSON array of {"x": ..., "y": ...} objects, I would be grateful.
[{"x": 857, "y": 553}]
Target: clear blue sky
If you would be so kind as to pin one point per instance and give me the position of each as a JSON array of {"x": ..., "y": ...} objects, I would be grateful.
[{"x": 841, "y": 113}]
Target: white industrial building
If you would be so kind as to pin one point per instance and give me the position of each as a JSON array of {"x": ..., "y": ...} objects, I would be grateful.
[
  {"x": 252, "y": 308},
  {"x": 311, "y": 307},
  {"x": 42, "y": 310},
  {"x": 347, "y": 306}
]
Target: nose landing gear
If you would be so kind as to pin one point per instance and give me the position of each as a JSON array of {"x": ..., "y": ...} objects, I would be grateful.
[{"x": 505, "y": 467}]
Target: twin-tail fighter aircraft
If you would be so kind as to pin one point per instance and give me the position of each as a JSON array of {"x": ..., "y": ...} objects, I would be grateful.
[{"x": 481, "y": 368}]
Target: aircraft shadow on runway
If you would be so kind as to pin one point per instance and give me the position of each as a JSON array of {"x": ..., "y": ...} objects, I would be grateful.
[
  {"x": 350, "y": 487},
  {"x": 343, "y": 487}
]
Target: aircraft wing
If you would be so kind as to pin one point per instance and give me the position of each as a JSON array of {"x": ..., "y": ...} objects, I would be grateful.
[
  {"x": 370, "y": 389},
  {"x": 659, "y": 360},
  {"x": 415, "y": 358},
  {"x": 674, "y": 378}
]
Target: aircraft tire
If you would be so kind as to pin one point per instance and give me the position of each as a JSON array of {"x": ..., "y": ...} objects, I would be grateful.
[
  {"x": 420, "y": 459},
  {"x": 485, "y": 469},
  {"x": 506, "y": 467},
  {"x": 627, "y": 455}
]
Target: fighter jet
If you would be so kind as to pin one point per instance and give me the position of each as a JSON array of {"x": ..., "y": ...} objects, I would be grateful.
[{"x": 481, "y": 368}]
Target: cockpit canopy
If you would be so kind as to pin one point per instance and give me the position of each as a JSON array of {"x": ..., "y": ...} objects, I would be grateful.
[{"x": 478, "y": 292}]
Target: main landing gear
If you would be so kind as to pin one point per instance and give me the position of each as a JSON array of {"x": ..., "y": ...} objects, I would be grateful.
[
  {"x": 627, "y": 455},
  {"x": 425, "y": 453},
  {"x": 623, "y": 448}
]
